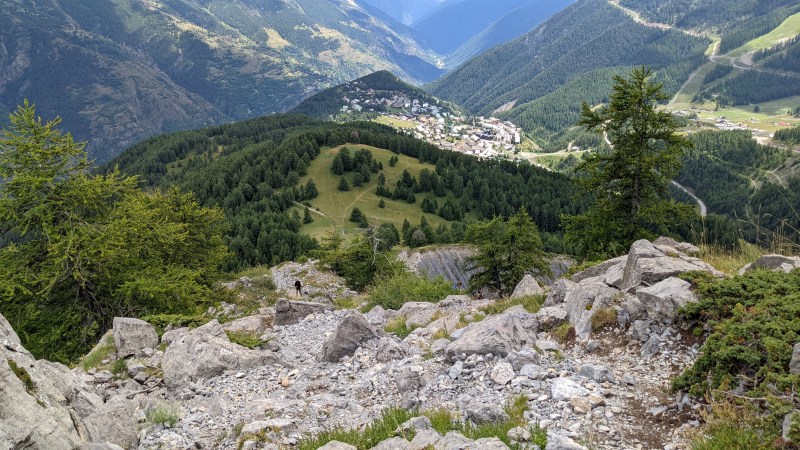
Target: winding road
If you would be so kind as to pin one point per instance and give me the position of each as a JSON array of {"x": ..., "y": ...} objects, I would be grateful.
[{"x": 703, "y": 208}]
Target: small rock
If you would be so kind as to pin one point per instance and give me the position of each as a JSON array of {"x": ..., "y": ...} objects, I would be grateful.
[{"x": 503, "y": 373}]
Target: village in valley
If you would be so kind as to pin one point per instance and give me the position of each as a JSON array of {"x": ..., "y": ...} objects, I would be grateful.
[{"x": 433, "y": 121}]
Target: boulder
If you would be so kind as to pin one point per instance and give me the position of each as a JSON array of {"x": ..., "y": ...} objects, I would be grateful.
[
  {"x": 418, "y": 314},
  {"x": 558, "y": 442},
  {"x": 597, "y": 373},
  {"x": 550, "y": 317},
  {"x": 526, "y": 287},
  {"x": 351, "y": 333},
  {"x": 389, "y": 349},
  {"x": 425, "y": 439},
  {"x": 520, "y": 358},
  {"x": 683, "y": 247},
  {"x": 499, "y": 335},
  {"x": 581, "y": 301},
  {"x": 453, "y": 440},
  {"x": 773, "y": 262},
  {"x": 479, "y": 412},
  {"x": 255, "y": 325},
  {"x": 203, "y": 353},
  {"x": 794, "y": 365},
  {"x": 663, "y": 299},
  {"x": 42, "y": 404},
  {"x": 646, "y": 265},
  {"x": 132, "y": 336},
  {"x": 395, "y": 443},
  {"x": 336, "y": 445},
  {"x": 599, "y": 269},
  {"x": 491, "y": 443},
  {"x": 288, "y": 312},
  {"x": 115, "y": 422},
  {"x": 564, "y": 389},
  {"x": 502, "y": 373}
]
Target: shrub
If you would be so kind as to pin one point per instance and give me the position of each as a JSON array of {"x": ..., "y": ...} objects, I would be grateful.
[
  {"x": 168, "y": 414},
  {"x": 248, "y": 340},
  {"x": 604, "y": 318},
  {"x": 564, "y": 333},
  {"x": 161, "y": 321},
  {"x": 398, "y": 327},
  {"x": 119, "y": 367},
  {"x": 755, "y": 322},
  {"x": 531, "y": 303},
  {"x": 379, "y": 430},
  {"x": 401, "y": 286},
  {"x": 23, "y": 375}
]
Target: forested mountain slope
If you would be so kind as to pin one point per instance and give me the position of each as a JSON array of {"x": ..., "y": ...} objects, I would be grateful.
[
  {"x": 254, "y": 169},
  {"x": 118, "y": 71},
  {"x": 540, "y": 79}
]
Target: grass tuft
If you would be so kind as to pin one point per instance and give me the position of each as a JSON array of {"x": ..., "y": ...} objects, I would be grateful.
[
  {"x": 23, "y": 375},
  {"x": 531, "y": 303},
  {"x": 163, "y": 413},
  {"x": 95, "y": 358},
  {"x": 398, "y": 327},
  {"x": 604, "y": 318},
  {"x": 244, "y": 339}
]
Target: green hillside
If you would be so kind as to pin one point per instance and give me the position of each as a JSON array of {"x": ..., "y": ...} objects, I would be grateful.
[
  {"x": 258, "y": 171},
  {"x": 122, "y": 70},
  {"x": 568, "y": 58}
]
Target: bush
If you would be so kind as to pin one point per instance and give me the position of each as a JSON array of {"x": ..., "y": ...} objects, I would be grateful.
[
  {"x": 531, "y": 303},
  {"x": 604, "y": 318},
  {"x": 398, "y": 327},
  {"x": 393, "y": 291},
  {"x": 248, "y": 340},
  {"x": 755, "y": 322},
  {"x": 168, "y": 414},
  {"x": 119, "y": 368}
]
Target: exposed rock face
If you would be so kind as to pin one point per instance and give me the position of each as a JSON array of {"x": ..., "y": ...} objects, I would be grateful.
[
  {"x": 256, "y": 325},
  {"x": 647, "y": 265},
  {"x": 683, "y": 247},
  {"x": 599, "y": 269},
  {"x": 773, "y": 262},
  {"x": 498, "y": 335},
  {"x": 581, "y": 301},
  {"x": 289, "y": 312},
  {"x": 449, "y": 262},
  {"x": 794, "y": 365},
  {"x": 36, "y": 399},
  {"x": 663, "y": 299},
  {"x": 132, "y": 336},
  {"x": 115, "y": 422},
  {"x": 526, "y": 287},
  {"x": 204, "y": 353},
  {"x": 316, "y": 282},
  {"x": 349, "y": 335}
]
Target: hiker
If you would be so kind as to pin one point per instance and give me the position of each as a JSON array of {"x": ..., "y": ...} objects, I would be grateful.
[{"x": 299, "y": 287}]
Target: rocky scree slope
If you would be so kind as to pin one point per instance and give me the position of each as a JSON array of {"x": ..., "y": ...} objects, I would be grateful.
[{"x": 601, "y": 383}]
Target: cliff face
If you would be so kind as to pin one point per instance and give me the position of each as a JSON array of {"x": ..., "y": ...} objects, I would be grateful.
[
  {"x": 448, "y": 262},
  {"x": 451, "y": 263}
]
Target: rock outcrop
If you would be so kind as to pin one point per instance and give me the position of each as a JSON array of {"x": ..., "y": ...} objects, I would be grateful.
[
  {"x": 498, "y": 335},
  {"x": 449, "y": 262},
  {"x": 526, "y": 287},
  {"x": 773, "y": 262},
  {"x": 42, "y": 404},
  {"x": 207, "y": 352},
  {"x": 288, "y": 312},
  {"x": 133, "y": 336},
  {"x": 351, "y": 333}
]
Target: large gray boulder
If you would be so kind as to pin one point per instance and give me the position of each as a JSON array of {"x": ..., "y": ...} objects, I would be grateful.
[
  {"x": 526, "y": 287},
  {"x": 663, "y": 299},
  {"x": 351, "y": 333},
  {"x": 418, "y": 314},
  {"x": 646, "y": 265},
  {"x": 132, "y": 336},
  {"x": 37, "y": 399},
  {"x": 498, "y": 335},
  {"x": 288, "y": 312},
  {"x": 581, "y": 301},
  {"x": 115, "y": 422},
  {"x": 599, "y": 269},
  {"x": 206, "y": 352},
  {"x": 256, "y": 325},
  {"x": 683, "y": 247},
  {"x": 556, "y": 441},
  {"x": 773, "y": 262},
  {"x": 794, "y": 365}
]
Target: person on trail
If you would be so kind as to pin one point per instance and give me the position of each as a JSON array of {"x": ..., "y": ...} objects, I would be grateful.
[{"x": 299, "y": 287}]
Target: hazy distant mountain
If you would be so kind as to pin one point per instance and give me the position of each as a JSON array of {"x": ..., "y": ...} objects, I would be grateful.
[
  {"x": 118, "y": 71},
  {"x": 406, "y": 11}
]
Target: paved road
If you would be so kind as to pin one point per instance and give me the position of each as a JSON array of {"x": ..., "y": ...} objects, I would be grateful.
[{"x": 703, "y": 208}]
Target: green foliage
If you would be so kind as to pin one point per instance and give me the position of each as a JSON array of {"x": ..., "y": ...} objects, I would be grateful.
[
  {"x": 531, "y": 303},
  {"x": 564, "y": 333},
  {"x": 119, "y": 367},
  {"x": 81, "y": 249},
  {"x": 23, "y": 375},
  {"x": 738, "y": 425},
  {"x": 399, "y": 327},
  {"x": 379, "y": 430},
  {"x": 163, "y": 414},
  {"x": 359, "y": 262},
  {"x": 161, "y": 321},
  {"x": 630, "y": 183},
  {"x": 755, "y": 321},
  {"x": 506, "y": 250},
  {"x": 249, "y": 340},
  {"x": 102, "y": 351},
  {"x": 393, "y": 290},
  {"x": 604, "y": 318}
]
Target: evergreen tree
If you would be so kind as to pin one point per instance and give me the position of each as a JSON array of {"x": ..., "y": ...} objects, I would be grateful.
[
  {"x": 343, "y": 185},
  {"x": 311, "y": 190},
  {"x": 393, "y": 161},
  {"x": 358, "y": 180},
  {"x": 506, "y": 250},
  {"x": 307, "y": 216},
  {"x": 381, "y": 204},
  {"x": 630, "y": 183},
  {"x": 81, "y": 249}
]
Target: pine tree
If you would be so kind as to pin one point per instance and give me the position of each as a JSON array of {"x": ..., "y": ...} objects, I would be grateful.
[
  {"x": 343, "y": 185},
  {"x": 337, "y": 167},
  {"x": 307, "y": 216},
  {"x": 629, "y": 183},
  {"x": 311, "y": 190},
  {"x": 381, "y": 204},
  {"x": 506, "y": 250}
]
